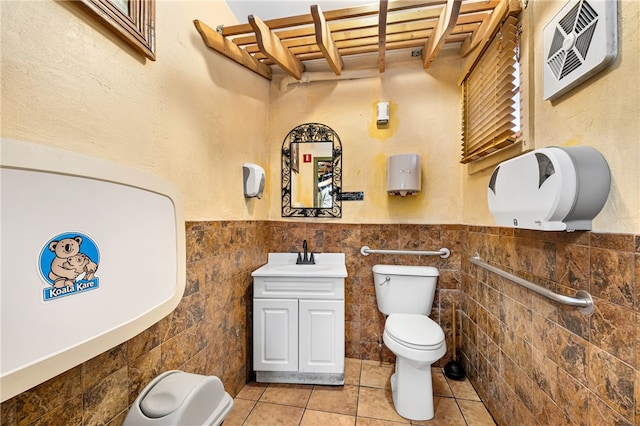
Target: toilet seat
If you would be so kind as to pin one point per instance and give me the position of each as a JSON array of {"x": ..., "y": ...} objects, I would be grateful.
[{"x": 415, "y": 331}]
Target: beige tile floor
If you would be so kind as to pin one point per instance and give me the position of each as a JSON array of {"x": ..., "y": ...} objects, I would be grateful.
[{"x": 364, "y": 400}]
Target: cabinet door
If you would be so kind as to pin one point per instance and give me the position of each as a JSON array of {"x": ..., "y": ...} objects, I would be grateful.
[
  {"x": 275, "y": 335},
  {"x": 321, "y": 336}
]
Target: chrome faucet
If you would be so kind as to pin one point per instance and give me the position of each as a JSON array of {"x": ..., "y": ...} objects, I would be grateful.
[{"x": 306, "y": 260}]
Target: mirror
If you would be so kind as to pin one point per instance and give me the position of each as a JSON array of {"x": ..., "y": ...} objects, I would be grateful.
[{"x": 311, "y": 172}]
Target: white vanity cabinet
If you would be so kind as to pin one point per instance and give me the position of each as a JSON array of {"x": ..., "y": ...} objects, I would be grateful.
[{"x": 298, "y": 329}]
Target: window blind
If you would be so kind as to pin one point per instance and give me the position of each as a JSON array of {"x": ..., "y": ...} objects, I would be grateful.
[{"x": 490, "y": 97}]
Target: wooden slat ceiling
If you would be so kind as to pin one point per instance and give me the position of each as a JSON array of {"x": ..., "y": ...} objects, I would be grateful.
[{"x": 372, "y": 29}]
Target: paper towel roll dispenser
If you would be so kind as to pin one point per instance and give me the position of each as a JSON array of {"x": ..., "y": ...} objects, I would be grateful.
[
  {"x": 404, "y": 174},
  {"x": 550, "y": 189}
]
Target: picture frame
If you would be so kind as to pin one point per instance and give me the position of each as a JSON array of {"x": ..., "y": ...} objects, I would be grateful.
[{"x": 133, "y": 20}]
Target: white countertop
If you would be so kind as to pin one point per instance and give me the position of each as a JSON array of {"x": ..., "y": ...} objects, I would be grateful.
[{"x": 284, "y": 265}]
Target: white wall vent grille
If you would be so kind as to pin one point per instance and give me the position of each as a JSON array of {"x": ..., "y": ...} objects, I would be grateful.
[{"x": 579, "y": 42}]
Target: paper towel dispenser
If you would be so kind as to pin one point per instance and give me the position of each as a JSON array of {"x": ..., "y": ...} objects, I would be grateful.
[
  {"x": 404, "y": 174},
  {"x": 550, "y": 189}
]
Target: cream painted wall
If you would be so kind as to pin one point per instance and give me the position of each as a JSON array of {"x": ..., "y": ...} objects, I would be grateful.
[
  {"x": 191, "y": 117},
  {"x": 603, "y": 112},
  {"x": 425, "y": 112}
]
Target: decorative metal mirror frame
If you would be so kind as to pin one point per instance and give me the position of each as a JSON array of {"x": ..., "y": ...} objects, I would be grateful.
[{"x": 311, "y": 133}]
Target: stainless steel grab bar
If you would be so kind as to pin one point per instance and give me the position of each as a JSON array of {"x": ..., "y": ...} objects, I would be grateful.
[
  {"x": 443, "y": 252},
  {"x": 582, "y": 300}
]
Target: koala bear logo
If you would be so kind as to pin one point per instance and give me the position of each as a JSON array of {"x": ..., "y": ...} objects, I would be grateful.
[
  {"x": 69, "y": 262},
  {"x": 81, "y": 264}
]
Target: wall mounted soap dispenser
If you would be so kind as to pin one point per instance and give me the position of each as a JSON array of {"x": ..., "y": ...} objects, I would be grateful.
[
  {"x": 403, "y": 174},
  {"x": 253, "y": 180}
]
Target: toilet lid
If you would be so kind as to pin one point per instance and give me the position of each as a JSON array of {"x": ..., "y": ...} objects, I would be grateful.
[{"x": 414, "y": 331}]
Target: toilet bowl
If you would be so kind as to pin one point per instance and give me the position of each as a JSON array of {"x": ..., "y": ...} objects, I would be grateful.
[
  {"x": 417, "y": 342},
  {"x": 405, "y": 294}
]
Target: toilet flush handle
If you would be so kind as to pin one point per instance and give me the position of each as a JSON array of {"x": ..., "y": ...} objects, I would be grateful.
[{"x": 386, "y": 280}]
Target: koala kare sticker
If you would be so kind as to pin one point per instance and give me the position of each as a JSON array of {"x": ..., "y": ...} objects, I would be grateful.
[{"x": 68, "y": 263}]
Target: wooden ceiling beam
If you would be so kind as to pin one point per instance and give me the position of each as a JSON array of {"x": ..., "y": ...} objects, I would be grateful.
[
  {"x": 331, "y": 15},
  {"x": 273, "y": 48},
  {"x": 369, "y": 36},
  {"x": 294, "y": 21},
  {"x": 371, "y": 49},
  {"x": 347, "y": 47},
  {"x": 446, "y": 24},
  {"x": 469, "y": 12},
  {"x": 408, "y": 31},
  {"x": 367, "y": 46},
  {"x": 344, "y": 39},
  {"x": 325, "y": 41},
  {"x": 213, "y": 40},
  {"x": 382, "y": 33},
  {"x": 366, "y": 29}
]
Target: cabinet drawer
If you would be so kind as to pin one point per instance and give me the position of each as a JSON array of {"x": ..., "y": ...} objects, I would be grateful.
[{"x": 311, "y": 288}]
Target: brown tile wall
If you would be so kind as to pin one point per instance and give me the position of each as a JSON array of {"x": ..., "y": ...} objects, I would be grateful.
[
  {"x": 536, "y": 362},
  {"x": 526, "y": 356}
]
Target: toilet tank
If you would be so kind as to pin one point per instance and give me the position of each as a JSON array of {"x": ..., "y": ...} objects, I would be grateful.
[{"x": 405, "y": 289}]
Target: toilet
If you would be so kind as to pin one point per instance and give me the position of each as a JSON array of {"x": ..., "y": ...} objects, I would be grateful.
[{"x": 405, "y": 294}]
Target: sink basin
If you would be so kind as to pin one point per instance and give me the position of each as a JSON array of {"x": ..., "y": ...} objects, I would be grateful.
[
  {"x": 284, "y": 265},
  {"x": 302, "y": 269}
]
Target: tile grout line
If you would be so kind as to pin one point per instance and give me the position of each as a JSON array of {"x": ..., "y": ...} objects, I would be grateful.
[
  {"x": 464, "y": 418},
  {"x": 465, "y": 396}
]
